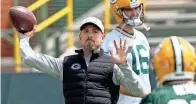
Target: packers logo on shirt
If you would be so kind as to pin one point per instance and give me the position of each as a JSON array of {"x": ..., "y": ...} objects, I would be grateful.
[{"x": 76, "y": 66}]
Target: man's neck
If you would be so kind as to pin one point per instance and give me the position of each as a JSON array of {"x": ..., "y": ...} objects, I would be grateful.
[
  {"x": 126, "y": 27},
  {"x": 88, "y": 52}
]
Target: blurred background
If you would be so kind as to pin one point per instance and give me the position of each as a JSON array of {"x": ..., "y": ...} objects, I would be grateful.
[{"x": 57, "y": 35}]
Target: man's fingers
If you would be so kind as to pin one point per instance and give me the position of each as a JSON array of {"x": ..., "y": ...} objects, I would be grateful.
[
  {"x": 31, "y": 33},
  {"x": 34, "y": 28},
  {"x": 125, "y": 42},
  {"x": 111, "y": 52},
  {"x": 115, "y": 45},
  {"x": 120, "y": 43}
]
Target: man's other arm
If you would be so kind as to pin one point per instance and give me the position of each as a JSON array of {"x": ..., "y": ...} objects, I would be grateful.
[
  {"x": 47, "y": 64},
  {"x": 129, "y": 80}
]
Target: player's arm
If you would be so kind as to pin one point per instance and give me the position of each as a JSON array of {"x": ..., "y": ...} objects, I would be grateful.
[
  {"x": 47, "y": 64},
  {"x": 130, "y": 81},
  {"x": 126, "y": 92}
]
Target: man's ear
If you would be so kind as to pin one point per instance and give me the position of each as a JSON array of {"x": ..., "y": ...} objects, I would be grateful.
[
  {"x": 80, "y": 35},
  {"x": 103, "y": 36}
]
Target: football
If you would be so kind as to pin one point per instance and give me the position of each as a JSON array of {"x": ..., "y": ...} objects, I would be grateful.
[{"x": 22, "y": 19}]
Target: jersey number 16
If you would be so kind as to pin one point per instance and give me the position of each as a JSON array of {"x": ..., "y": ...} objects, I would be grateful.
[{"x": 139, "y": 60}]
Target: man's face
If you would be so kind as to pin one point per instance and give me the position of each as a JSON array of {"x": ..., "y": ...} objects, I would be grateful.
[
  {"x": 91, "y": 37},
  {"x": 132, "y": 12}
]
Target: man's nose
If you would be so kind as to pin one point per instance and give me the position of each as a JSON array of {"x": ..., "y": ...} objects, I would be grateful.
[
  {"x": 134, "y": 12},
  {"x": 90, "y": 35}
]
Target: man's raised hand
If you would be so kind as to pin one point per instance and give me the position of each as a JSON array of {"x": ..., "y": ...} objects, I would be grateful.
[{"x": 120, "y": 56}]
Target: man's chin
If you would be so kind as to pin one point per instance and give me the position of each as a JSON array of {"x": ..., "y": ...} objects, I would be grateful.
[
  {"x": 90, "y": 47},
  {"x": 93, "y": 48}
]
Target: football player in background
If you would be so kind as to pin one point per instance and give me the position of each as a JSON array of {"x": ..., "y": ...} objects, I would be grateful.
[
  {"x": 129, "y": 14},
  {"x": 174, "y": 63}
]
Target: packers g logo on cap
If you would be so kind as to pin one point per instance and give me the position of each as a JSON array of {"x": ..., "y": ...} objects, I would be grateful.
[{"x": 113, "y": 1}]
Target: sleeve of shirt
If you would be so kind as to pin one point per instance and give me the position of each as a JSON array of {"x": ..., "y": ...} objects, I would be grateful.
[
  {"x": 47, "y": 64},
  {"x": 129, "y": 80}
]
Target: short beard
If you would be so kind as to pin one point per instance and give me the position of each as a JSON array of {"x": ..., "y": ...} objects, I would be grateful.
[{"x": 89, "y": 47}]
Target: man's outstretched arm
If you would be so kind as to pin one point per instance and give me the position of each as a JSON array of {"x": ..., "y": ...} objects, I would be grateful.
[
  {"x": 132, "y": 85},
  {"x": 47, "y": 64}
]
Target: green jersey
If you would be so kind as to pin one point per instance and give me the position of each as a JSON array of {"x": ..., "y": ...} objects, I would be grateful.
[{"x": 172, "y": 94}]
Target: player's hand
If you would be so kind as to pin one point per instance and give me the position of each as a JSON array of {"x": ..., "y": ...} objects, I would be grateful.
[
  {"x": 120, "y": 57},
  {"x": 30, "y": 33}
]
